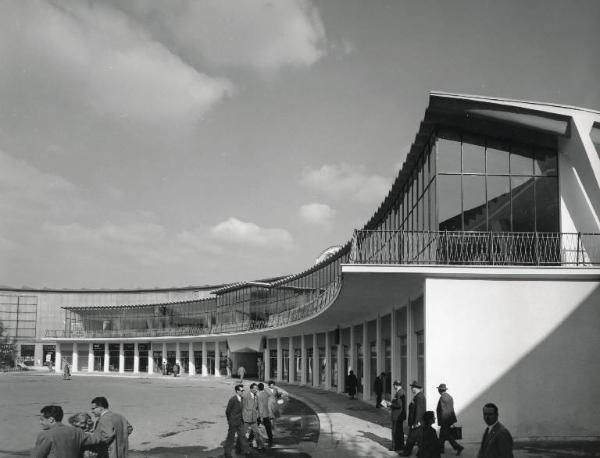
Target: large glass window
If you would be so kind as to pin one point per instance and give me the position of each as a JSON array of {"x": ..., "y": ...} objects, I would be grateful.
[
  {"x": 449, "y": 202},
  {"x": 474, "y": 203},
  {"x": 448, "y": 153}
]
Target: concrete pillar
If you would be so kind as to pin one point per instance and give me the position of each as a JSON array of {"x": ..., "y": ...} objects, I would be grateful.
[
  {"x": 177, "y": 353},
  {"x": 410, "y": 346},
  {"x": 366, "y": 381},
  {"x": 303, "y": 360},
  {"x": 204, "y": 359},
  {"x": 279, "y": 361},
  {"x": 341, "y": 381},
  {"x": 150, "y": 359},
  {"x": 58, "y": 358},
  {"x": 292, "y": 363},
  {"x": 328, "y": 367},
  {"x": 217, "y": 360},
  {"x": 378, "y": 345},
  {"x": 353, "y": 355},
  {"x": 91, "y": 357},
  {"x": 315, "y": 362},
  {"x": 121, "y": 358},
  {"x": 75, "y": 366},
  {"x": 395, "y": 353},
  {"x": 191, "y": 360},
  {"x": 106, "y": 357},
  {"x": 267, "y": 360},
  {"x": 136, "y": 358},
  {"x": 164, "y": 352}
]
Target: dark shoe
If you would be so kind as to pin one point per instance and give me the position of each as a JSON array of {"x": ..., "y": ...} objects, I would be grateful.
[{"x": 459, "y": 450}]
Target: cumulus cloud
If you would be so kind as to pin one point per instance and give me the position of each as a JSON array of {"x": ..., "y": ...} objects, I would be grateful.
[
  {"x": 240, "y": 233},
  {"x": 260, "y": 34},
  {"x": 346, "y": 180},
  {"x": 78, "y": 52},
  {"x": 317, "y": 214}
]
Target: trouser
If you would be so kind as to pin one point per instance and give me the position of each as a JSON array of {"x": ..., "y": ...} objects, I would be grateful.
[
  {"x": 269, "y": 427},
  {"x": 378, "y": 399},
  {"x": 414, "y": 437},
  {"x": 240, "y": 431},
  {"x": 446, "y": 436},
  {"x": 253, "y": 432},
  {"x": 397, "y": 435}
]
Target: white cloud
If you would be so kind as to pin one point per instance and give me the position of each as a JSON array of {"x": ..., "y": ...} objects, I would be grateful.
[
  {"x": 76, "y": 52},
  {"x": 317, "y": 214},
  {"x": 346, "y": 180},
  {"x": 260, "y": 34},
  {"x": 240, "y": 233}
]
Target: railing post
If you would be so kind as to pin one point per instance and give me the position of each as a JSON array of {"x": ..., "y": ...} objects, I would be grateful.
[{"x": 578, "y": 245}]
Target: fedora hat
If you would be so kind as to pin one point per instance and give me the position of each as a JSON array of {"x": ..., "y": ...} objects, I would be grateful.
[
  {"x": 416, "y": 384},
  {"x": 397, "y": 383},
  {"x": 442, "y": 387}
]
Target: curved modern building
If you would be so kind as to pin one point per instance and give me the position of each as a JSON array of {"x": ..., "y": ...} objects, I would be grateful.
[{"x": 480, "y": 269}]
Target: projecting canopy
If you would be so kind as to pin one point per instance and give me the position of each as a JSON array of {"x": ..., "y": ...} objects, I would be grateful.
[{"x": 248, "y": 342}]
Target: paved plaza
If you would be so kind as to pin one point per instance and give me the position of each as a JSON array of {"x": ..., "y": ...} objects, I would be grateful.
[{"x": 184, "y": 417}]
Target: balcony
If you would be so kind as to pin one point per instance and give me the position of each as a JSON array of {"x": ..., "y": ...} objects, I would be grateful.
[{"x": 475, "y": 248}]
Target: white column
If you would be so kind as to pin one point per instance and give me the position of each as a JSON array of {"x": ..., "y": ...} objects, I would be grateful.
[
  {"x": 164, "y": 352},
  {"x": 57, "y": 358},
  {"x": 303, "y": 360},
  {"x": 341, "y": 381},
  {"x": 191, "y": 360},
  {"x": 315, "y": 362},
  {"x": 279, "y": 361},
  {"x": 395, "y": 353},
  {"x": 121, "y": 358},
  {"x": 366, "y": 364},
  {"x": 75, "y": 366},
  {"x": 106, "y": 357},
  {"x": 353, "y": 355},
  {"x": 327, "y": 362},
  {"x": 292, "y": 363},
  {"x": 177, "y": 353},
  {"x": 204, "y": 359},
  {"x": 150, "y": 359},
  {"x": 409, "y": 345},
  {"x": 136, "y": 358},
  {"x": 378, "y": 345},
  {"x": 91, "y": 357},
  {"x": 217, "y": 360},
  {"x": 267, "y": 360}
]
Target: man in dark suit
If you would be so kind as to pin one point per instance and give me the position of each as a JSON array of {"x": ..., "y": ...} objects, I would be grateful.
[
  {"x": 398, "y": 407},
  {"x": 497, "y": 441},
  {"x": 112, "y": 429},
  {"x": 446, "y": 417},
  {"x": 416, "y": 410},
  {"x": 233, "y": 412},
  {"x": 378, "y": 387},
  {"x": 56, "y": 439}
]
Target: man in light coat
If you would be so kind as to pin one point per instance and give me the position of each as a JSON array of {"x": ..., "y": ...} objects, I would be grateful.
[
  {"x": 250, "y": 415},
  {"x": 112, "y": 429},
  {"x": 446, "y": 417},
  {"x": 266, "y": 403}
]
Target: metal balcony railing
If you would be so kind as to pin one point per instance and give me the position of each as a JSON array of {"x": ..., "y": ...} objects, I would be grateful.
[{"x": 475, "y": 248}]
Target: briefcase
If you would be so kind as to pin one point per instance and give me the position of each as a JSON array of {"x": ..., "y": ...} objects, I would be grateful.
[{"x": 456, "y": 432}]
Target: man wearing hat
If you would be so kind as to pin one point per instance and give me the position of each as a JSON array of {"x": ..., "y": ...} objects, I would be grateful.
[
  {"x": 398, "y": 407},
  {"x": 416, "y": 410},
  {"x": 446, "y": 417}
]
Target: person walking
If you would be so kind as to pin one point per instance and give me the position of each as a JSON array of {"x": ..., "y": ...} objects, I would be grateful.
[
  {"x": 352, "y": 384},
  {"x": 66, "y": 370},
  {"x": 235, "y": 423},
  {"x": 497, "y": 441},
  {"x": 378, "y": 387},
  {"x": 228, "y": 366},
  {"x": 57, "y": 440},
  {"x": 429, "y": 446},
  {"x": 266, "y": 403},
  {"x": 250, "y": 416},
  {"x": 416, "y": 410},
  {"x": 112, "y": 429},
  {"x": 241, "y": 373},
  {"x": 398, "y": 407},
  {"x": 446, "y": 417}
]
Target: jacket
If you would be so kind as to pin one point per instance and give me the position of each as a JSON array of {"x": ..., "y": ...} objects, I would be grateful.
[
  {"x": 497, "y": 444},
  {"x": 445, "y": 410}
]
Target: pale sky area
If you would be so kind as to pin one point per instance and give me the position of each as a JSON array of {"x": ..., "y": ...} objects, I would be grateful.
[{"x": 194, "y": 142}]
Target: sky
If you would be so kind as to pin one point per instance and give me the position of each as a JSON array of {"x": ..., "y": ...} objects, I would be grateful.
[{"x": 150, "y": 144}]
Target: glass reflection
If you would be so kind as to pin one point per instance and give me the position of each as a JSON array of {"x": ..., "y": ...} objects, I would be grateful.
[
  {"x": 523, "y": 210},
  {"x": 546, "y": 204},
  {"x": 498, "y": 191},
  {"x": 448, "y": 153},
  {"x": 473, "y": 154},
  {"x": 474, "y": 203},
  {"x": 497, "y": 158},
  {"x": 449, "y": 202},
  {"x": 521, "y": 161}
]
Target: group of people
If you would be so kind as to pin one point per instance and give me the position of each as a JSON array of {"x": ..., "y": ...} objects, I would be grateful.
[
  {"x": 247, "y": 412},
  {"x": 101, "y": 434},
  {"x": 497, "y": 441}
]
